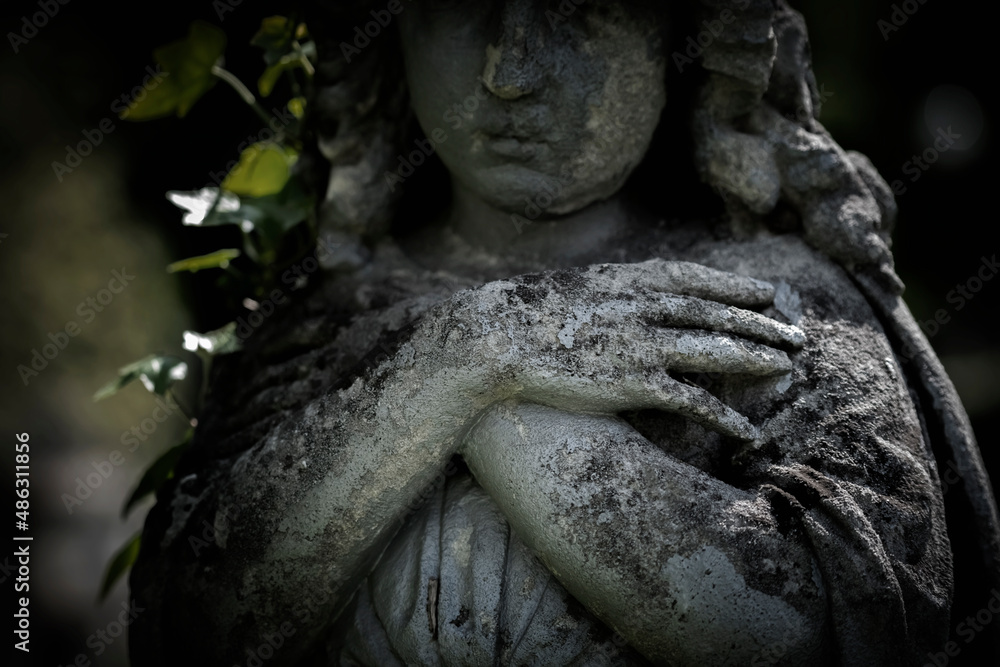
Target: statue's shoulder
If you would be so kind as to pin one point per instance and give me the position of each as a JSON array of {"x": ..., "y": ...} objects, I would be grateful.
[
  {"x": 318, "y": 335},
  {"x": 787, "y": 261},
  {"x": 848, "y": 407}
]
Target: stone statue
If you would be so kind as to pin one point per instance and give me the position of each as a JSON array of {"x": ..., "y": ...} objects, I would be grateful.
[{"x": 555, "y": 403}]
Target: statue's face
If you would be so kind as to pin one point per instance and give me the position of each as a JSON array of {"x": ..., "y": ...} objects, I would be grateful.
[{"x": 535, "y": 99}]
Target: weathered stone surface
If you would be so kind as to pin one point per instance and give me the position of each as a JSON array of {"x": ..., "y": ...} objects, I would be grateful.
[{"x": 588, "y": 436}]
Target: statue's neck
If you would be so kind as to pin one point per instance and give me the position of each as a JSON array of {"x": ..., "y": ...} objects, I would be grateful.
[{"x": 565, "y": 239}]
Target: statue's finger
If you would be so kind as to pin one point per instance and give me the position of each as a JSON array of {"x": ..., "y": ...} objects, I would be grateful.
[
  {"x": 706, "y": 283},
  {"x": 697, "y": 313},
  {"x": 666, "y": 393},
  {"x": 607, "y": 388},
  {"x": 694, "y": 351}
]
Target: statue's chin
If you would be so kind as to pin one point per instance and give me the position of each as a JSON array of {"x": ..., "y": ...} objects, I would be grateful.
[{"x": 520, "y": 190}]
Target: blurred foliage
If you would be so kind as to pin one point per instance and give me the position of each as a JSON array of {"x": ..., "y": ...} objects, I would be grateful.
[
  {"x": 187, "y": 66},
  {"x": 157, "y": 373},
  {"x": 157, "y": 474},
  {"x": 120, "y": 564},
  {"x": 214, "y": 260},
  {"x": 261, "y": 195}
]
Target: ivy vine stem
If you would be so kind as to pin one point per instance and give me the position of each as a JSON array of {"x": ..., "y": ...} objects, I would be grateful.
[
  {"x": 181, "y": 408},
  {"x": 244, "y": 92},
  {"x": 306, "y": 65}
]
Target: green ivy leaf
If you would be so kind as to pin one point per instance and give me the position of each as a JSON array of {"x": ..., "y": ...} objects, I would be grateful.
[
  {"x": 275, "y": 37},
  {"x": 156, "y": 474},
  {"x": 297, "y": 105},
  {"x": 120, "y": 564},
  {"x": 220, "y": 341},
  {"x": 264, "y": 169},
  {"x": 271, "y": 75},
  {"x": 217, "y": 260},
  {"x": 285, "y": 209},
  {"x": 157, "y": 373},
  {"x": 203, "y": 205},
  {"x": 264, "y": 221},
  {"x": 278, "y": 215},
  {"x": 187, "y": 65}
]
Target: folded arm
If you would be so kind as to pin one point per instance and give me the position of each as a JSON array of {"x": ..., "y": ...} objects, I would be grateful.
[{"x": 689, "y": 569}]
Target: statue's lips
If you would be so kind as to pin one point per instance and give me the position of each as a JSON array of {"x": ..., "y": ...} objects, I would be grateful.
[{"x": 514, "y": 147}]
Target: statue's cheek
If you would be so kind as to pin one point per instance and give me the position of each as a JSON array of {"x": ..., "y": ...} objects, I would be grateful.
[{"x": 619, "y": 108}]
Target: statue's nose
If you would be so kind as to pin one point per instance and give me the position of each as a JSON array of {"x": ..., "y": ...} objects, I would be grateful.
[{"x": 512, "y": 67}]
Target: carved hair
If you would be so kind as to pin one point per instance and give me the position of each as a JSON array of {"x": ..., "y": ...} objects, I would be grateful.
[{"x": 757, "y": 140}]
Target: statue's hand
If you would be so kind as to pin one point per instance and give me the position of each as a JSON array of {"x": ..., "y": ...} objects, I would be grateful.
[{"x": 607, "y": 337}]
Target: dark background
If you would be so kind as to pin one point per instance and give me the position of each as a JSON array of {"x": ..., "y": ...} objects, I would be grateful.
[{"x": 885, "y": 98}]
